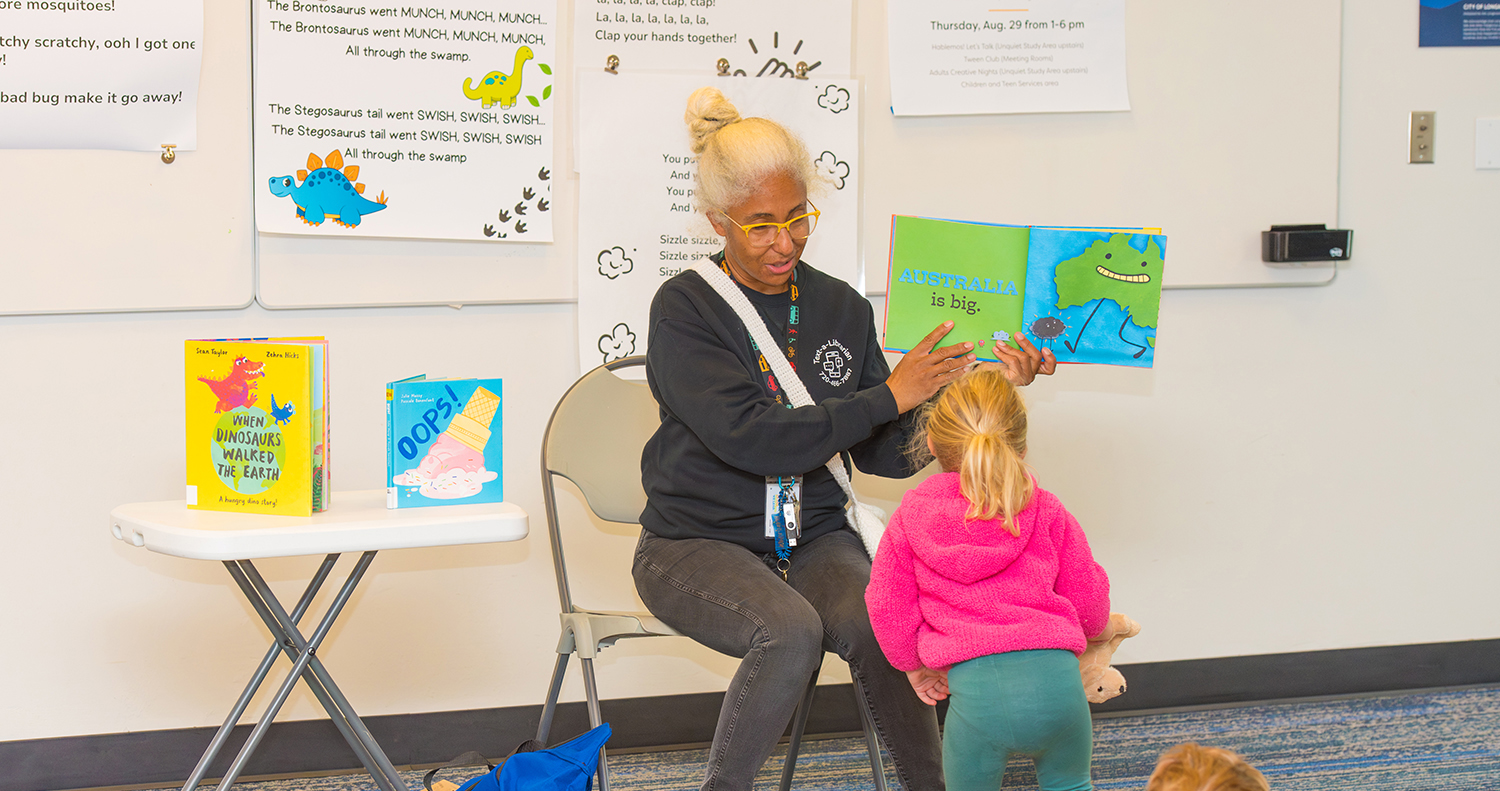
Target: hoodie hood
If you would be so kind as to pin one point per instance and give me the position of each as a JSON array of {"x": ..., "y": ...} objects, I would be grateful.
[{"x": 965, "y": 552}]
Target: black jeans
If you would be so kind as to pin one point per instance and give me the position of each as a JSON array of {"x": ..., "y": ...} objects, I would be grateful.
[{"x": 727, "y": 598}]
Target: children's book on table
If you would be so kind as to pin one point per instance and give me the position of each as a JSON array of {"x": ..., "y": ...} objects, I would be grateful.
[
  {"x": 443, "y": 442},
  {"x": 1091, "y": 295},
  {"x": 257, "y": 425}
]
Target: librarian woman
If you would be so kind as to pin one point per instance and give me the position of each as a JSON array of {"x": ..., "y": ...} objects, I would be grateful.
[{"x": 732, "y": 472}]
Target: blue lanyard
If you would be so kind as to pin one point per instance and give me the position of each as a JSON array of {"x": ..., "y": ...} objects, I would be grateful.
[
  {"x": 785, "y": 495},
  {"x": 784, "y": 498}
]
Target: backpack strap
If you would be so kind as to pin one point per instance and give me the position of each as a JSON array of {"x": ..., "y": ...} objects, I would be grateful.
[
  {"x": 790, "y": 382},
  {"x": 472, "y": 758}
]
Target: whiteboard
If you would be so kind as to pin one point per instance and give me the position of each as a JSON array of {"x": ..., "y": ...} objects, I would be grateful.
[
  {"x": 1234, "y": 127},
  {"x": 86, "y": 231}
]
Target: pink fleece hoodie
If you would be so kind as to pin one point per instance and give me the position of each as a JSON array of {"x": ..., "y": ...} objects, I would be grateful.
[{"x": 943, "y": 592}]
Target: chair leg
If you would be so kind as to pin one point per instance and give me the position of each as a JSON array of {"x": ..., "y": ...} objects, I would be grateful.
[
  {"x": 871, "y": 740},
  {"x": 544, "y": 728},
  {"x": 799, "y": 725},
  {"x": 592, "y": 689}
]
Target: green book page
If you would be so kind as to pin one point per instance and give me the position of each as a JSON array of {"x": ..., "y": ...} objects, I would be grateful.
[{"x": 971, "y": 274}]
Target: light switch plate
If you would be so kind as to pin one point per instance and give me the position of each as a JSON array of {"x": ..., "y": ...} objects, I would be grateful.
[
  {"x": 1487, "y": 143},
  {"x": 1423, "y": 133}
]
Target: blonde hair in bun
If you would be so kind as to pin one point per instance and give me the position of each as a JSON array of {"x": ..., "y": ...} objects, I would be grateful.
[{"x": 735, "y": 155}]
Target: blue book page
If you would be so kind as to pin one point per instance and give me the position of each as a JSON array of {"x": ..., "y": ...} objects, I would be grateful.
[{"x": 1093, "y": 296}]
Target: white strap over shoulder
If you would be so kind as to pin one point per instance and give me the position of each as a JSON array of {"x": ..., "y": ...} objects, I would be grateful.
[{"x": 865, "y": 519}]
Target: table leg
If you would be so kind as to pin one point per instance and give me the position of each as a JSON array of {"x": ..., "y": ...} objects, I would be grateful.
[
  {"x": 306, "y": 666},
  {"x": 339, "y": 702},
  {"x": 217, "y": 743}
]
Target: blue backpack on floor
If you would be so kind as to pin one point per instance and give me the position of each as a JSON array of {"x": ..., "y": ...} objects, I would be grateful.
[{"x": 569, "y": 766}]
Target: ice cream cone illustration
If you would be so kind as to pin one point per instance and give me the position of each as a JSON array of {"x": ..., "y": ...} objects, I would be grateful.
[
  {"x": 454, "y": 466},
  {"x": 472, "y": 427}
]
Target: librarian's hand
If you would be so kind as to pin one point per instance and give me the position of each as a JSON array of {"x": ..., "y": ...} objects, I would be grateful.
[
  {"x": 1023, "y": 365},
  {"x": 924, "y": 370},
  {"x": 930, "y": 685}
]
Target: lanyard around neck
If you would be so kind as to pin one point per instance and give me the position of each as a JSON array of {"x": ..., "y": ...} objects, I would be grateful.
[{"x": 793, "y": 318}]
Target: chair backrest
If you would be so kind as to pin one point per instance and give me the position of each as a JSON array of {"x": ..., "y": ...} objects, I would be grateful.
[{"x": 594, "y": 439}]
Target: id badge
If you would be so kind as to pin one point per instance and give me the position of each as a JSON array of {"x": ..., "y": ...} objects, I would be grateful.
[{"x": 790, "y": 509}]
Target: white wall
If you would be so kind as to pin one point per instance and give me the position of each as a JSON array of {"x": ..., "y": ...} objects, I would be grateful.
[{"x": 1305, "y": 469}]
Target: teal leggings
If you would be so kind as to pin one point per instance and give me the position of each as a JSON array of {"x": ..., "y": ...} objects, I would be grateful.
[{"x": 1024, "y": 702}]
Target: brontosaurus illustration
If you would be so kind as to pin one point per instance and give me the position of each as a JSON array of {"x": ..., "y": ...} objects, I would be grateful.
[{"x": 498, "y": 87}]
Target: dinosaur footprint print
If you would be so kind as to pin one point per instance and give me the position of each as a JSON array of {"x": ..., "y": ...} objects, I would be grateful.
[{"x": 532, "y": 200}]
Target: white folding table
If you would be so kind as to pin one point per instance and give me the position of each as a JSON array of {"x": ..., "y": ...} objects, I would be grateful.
[{"x": 357, "y": 522}]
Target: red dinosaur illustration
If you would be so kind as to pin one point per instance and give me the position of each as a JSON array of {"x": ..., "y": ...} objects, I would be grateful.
[{"x": 238, "y": 388}]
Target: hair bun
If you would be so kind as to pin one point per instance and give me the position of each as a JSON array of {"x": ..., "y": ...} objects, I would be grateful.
[{"x": 708, "y": 111}]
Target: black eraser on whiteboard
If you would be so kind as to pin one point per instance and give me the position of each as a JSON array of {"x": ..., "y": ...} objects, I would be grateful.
[{"x": 1292, "y": 245}]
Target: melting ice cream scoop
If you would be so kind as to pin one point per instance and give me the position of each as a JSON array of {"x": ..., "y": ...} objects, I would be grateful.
[{"x": 454, "y": 466}]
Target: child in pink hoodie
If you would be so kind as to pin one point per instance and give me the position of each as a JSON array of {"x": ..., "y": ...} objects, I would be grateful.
[{"x": 984, "y": 590}]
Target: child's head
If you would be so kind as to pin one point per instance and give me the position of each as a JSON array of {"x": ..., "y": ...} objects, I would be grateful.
[
  {"x": 977, "y": 428},
  {"x": 1193, "y": 767}
]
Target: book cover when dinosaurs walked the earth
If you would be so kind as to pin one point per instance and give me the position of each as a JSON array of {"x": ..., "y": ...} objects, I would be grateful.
[
  {"x": 1090, "y": 295},
  {"x": 256, "y": 425},
  {"x": 443, "y": 442}
]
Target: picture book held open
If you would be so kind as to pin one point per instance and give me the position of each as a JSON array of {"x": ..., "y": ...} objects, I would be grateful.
[{"x": 1089, "y": 295}]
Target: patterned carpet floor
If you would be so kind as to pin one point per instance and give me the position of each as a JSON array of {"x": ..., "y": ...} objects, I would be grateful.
[{"x": 1430, "y": 741}]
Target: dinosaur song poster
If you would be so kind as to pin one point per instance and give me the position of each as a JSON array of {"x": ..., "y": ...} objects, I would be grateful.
[
  {"x": 1089, "y": 295},
  {"x": 384, "y": 120}
]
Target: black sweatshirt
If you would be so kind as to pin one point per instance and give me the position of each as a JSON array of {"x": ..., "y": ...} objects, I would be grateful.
[{"x": 722, "y": 431}]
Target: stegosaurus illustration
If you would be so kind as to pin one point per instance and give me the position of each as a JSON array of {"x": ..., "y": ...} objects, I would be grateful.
[
  {"x": 238, "y": 388},
  {"x": 327, "y": 191}
]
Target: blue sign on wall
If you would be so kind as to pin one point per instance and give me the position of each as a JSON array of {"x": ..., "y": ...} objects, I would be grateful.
[{"x": 1460, "y": 23}]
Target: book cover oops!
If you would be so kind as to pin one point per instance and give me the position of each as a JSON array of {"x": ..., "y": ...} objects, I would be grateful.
[{"x": 443, "y": 442}]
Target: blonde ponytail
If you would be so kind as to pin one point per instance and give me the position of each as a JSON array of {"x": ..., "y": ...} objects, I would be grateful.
[{"x": 977, "y": 428}]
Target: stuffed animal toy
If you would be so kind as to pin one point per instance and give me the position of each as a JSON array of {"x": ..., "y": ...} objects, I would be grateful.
[{"x": 1100, "y": 681}]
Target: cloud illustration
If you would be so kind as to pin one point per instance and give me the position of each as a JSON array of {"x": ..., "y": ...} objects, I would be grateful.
[
  {"x": 618, "y": 344},
  {"x": 613, "y": 262},
  {"x": 829, "y": 167},
  {"x": 834, "y": 99}
]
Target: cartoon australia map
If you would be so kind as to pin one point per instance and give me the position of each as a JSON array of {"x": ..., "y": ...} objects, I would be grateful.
[{"x": 1091, "y": 296}]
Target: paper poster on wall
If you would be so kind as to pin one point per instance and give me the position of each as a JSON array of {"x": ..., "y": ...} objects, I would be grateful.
[
  {"x": 759, "y": 38},
  {"x": 966, "y": 58},
  {"x": 399, "y": 121},
  {"x": 637, "y": 222},
  {"x": 112, "y": 74},
  {"x": 1459, "y": 23}
]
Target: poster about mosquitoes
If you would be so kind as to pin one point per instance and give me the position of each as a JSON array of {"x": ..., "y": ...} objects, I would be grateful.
[
  {"x": 108, "y": 74},
  {"x": 424, "y": 122},
  {"x": 1091, "y": 296}
]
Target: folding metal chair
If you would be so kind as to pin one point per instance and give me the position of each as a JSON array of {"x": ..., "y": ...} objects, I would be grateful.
[{"x": 594, "y": 439}]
